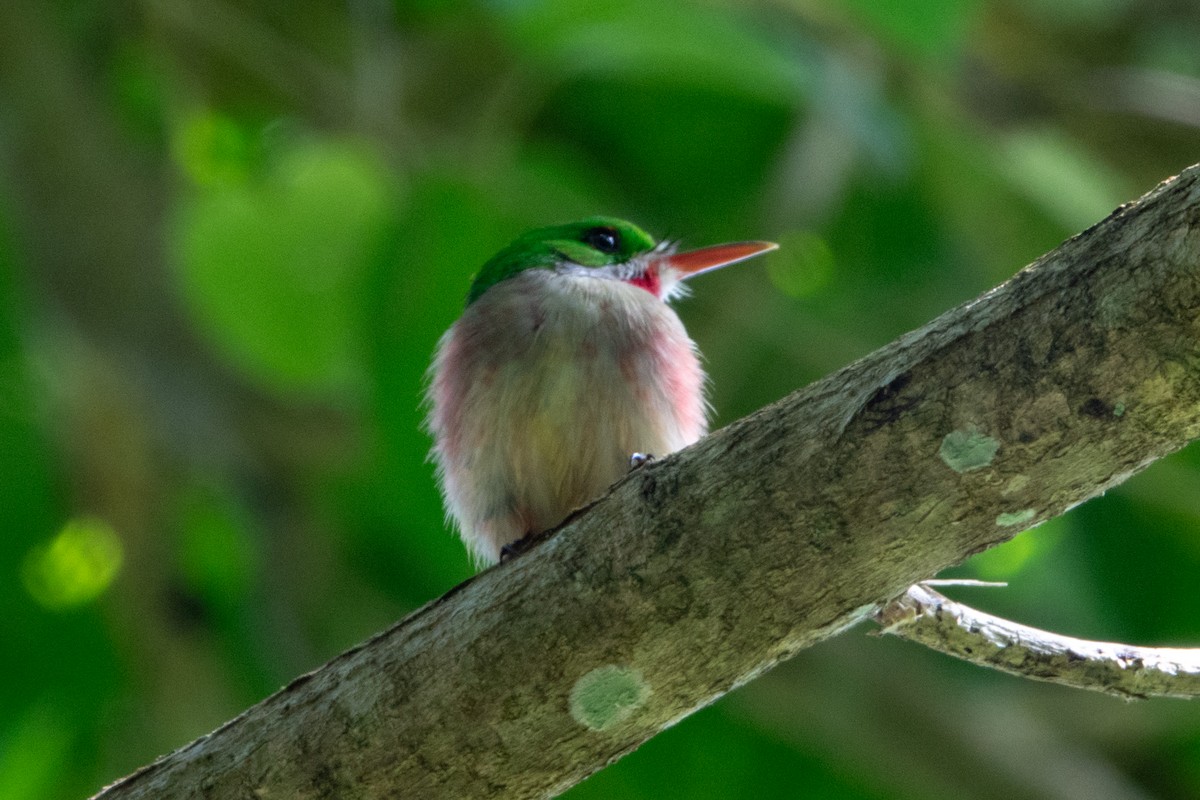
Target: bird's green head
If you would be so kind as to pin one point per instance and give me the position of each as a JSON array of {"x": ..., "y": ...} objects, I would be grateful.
[{"x": 593, "y": 242}]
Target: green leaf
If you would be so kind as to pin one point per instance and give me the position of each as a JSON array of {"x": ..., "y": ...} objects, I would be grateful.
[
  {"x": 269, "y": 267},
  {"x": 934, "y": 30},
  {"x": 658, "y": 42},
  {"x": 218, "y": 557},
  {"x": 1070, "y": 185}
]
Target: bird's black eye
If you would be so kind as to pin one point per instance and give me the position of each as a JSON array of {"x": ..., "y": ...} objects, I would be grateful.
[{"x": 606, "y": 240}]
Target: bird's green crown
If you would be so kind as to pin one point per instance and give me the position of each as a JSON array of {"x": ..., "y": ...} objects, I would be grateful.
[{"x": 592, "y": 242}]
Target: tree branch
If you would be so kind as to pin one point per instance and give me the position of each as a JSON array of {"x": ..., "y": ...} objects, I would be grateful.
[
  {"x": 934, "y": 620},
  {"x": 698, "y": 572}
]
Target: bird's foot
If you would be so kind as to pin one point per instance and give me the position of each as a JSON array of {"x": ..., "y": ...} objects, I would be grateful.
[
  {"x": 517, "y": 547},
  {"x": 639, "y": 460}
]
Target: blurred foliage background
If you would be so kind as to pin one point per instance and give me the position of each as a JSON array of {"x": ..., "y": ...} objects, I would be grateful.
[{"x": 232, "y": 231}]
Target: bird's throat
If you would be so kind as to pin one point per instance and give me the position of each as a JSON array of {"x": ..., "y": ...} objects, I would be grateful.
[{"x": 649, "y": 280}]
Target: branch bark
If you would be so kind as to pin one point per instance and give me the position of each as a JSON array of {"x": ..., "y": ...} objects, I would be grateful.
[
  {"x": 698, "y": 572},
  {"x": 934, "y": 620}
]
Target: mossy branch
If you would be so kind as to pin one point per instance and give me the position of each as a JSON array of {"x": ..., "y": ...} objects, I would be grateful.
[{"x": 698, "y": 572}]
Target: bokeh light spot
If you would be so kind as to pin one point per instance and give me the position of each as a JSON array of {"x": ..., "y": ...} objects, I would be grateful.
[
  {"x": 1006, "y": 561},
  {"x": 214, "y": 149},
  {"x": 76, "y": 566},
  {"x": 802, "y": 266}
]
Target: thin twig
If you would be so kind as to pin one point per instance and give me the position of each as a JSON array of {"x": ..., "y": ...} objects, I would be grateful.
[{"x": 934, "y": 620}]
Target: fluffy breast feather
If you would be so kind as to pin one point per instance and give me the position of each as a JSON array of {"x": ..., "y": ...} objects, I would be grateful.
[{"x": 543, "y": 389}]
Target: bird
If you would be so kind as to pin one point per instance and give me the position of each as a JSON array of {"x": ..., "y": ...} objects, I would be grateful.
[{"x": 566, "y": 363}]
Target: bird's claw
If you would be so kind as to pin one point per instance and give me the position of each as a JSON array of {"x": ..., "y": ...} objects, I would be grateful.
[
  {"x": 516, "y": 547},
  {"x": 639, "y": 460}
]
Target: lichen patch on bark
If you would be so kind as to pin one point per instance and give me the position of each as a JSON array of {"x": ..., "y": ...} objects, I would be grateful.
[
  {"x": 606, "y": 695},
  {"x": 968, "y": 449}
]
